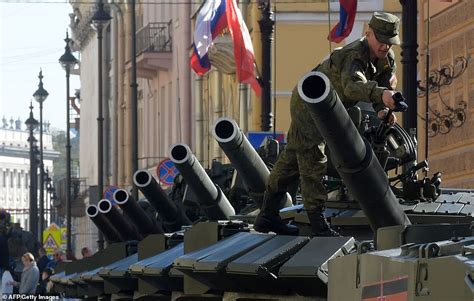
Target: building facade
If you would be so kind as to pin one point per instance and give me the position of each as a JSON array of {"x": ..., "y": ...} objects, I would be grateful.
[
  {"x": 164, "y": 97},
  {"x": 15, "y": 170},
  {"x": 451, "y": 90}
]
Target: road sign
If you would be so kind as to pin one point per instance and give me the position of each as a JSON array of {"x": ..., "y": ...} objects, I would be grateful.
[
  {"x": 50, "y": 243},
  {"x": 52, "y": 238},
  {"x": 257, "y": 138},
  {"x": 109, "y": 193},
  {"x": 166, "y": 171}
]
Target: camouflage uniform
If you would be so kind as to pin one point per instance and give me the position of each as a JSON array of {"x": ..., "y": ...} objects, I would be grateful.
[{"x": 355, "y": 78}]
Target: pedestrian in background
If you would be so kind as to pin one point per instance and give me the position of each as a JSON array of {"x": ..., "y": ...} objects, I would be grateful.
[
  {"x": 86, "y": 252},
  {"x": 29, "y": 276},
  {"x": 43, "y": 260},
  {"x": 57, "y": 258},
  {"x": 70, "y": 256},
  {"x": 7, "y": 283}
]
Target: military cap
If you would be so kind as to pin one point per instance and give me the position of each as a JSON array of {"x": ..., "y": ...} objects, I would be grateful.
[{"x": 385, "y": 27}]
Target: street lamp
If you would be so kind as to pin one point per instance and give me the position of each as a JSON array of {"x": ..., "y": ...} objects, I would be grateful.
[
  {"x": 99, "y": 22},
  {"x": 49, "y": 189},
  {"x": 68, "y": 61},
  {"x": 54, "y": 199},
  {"x": 49, "y": 183},
  {"x": 134, "y": 100},
  {"x": 40, "y": 96},
  {"x": 32, "y": 124},
  {"x": 266, "y": 24}
]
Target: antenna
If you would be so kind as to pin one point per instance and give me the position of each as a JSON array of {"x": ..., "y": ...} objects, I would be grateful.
[
  {"x": 427, "y": 70},
  {"x": 179, "y": 98}
]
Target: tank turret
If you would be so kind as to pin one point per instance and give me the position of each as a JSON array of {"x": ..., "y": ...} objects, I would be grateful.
[
  {"x": 210, "y": 196},
  {"x": 172, "y": 215},
  {"x": 352, "y": 156}
]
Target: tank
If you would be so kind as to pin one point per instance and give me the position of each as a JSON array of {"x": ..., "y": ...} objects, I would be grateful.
[
  {"x": 405, "y": 261},
  {"x": 417, "y": 262},
  {"x": 421, "y": 250}
]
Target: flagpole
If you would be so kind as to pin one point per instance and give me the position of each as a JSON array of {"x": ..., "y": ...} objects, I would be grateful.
[
  {"x": 329, "y": 25},
  {"x": 274, "y": 80},
  {"x": 427, "y": 82}
]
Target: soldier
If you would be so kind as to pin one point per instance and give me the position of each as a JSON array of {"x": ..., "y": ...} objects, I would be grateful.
[{"x": 363, "y": 70}]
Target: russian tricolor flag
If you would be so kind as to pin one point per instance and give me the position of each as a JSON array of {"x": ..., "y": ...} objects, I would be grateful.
[
  {"x": 347, "y": 12},
  {"x": 213, "y": 18},
  {"x": 210, "y": 22}
]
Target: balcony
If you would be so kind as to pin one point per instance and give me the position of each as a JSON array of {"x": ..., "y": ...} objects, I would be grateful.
[{"x": 154, "y": 48}]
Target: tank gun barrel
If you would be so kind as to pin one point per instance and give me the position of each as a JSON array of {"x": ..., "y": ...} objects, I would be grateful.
[
  {"x": 352, "y": 156},
  {"x": 135, "y": 213},
  {"x": 110, "y": 232},
  {"x": 118, "y": 220},
  {"x": 210, "y": 196},
  {"x": 173, "y": 217},
  {"x": 243, "y": 156}
]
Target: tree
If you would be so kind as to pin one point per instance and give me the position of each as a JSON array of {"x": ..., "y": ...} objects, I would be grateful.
[{"x": 59, "y": 164}]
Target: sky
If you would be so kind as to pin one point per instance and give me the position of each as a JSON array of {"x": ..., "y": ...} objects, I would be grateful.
[{"x": 32, "y": 38}]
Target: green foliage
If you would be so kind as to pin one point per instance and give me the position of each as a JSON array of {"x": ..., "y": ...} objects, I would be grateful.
[{"x": 59, "y": 144}]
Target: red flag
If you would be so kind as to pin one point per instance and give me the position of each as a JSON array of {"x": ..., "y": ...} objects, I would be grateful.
[
  {"x": 347, "y": 12},
  {"x": 243, "y": 48}
]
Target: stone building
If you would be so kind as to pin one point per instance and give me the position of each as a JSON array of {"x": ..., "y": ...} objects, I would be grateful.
[
  {"x": 451, "y": 90},
  {"x": 15, "y": 169}
]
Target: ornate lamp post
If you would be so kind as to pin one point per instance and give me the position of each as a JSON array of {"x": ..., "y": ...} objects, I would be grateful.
[
  {"x": 99, "y": 22},
  {"x": 409, "y": 63},
  {"x": 32, "y": 124},
  {"x": 40, "y": 96},
  {"x": 68, "y": 61},
  {"x": 54, "y": 198},
  {"x": 49, "y": 189},
  {"x": 134, "y": 100},
  {"x": 266, "y": 24}
]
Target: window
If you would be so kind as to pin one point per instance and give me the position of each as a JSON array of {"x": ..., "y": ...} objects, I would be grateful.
[
  {"x": 4, "y": 178},
  {"x": 11, "y": 178},
  {"x": 27, "y": 177},
  {"x": 18, "y": 182}
]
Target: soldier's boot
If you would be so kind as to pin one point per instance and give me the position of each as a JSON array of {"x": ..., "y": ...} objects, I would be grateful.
[
  {"x": 319, "y": 224},
  {"x": 269, "y": 220}
]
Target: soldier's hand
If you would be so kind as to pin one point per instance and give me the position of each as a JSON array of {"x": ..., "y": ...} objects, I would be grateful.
[
  {"x": 392, "y": 119},
  {"x": 387, "y": 99}
]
